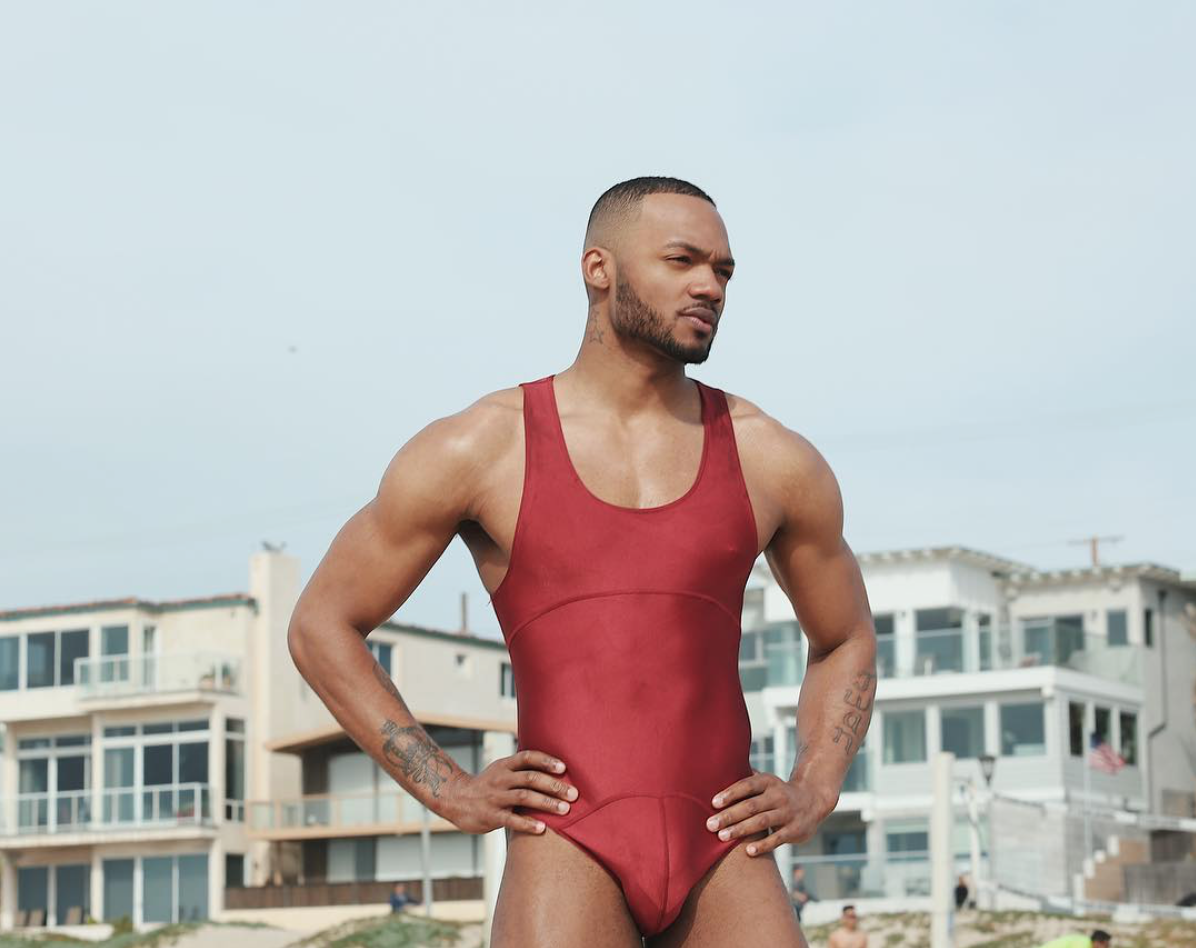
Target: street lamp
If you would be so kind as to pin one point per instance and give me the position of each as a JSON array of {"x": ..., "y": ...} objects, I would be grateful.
[{"x": 988, "y": 764}]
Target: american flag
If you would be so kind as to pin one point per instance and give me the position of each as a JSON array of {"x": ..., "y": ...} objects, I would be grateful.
[{"x": 1103, "y": 757}]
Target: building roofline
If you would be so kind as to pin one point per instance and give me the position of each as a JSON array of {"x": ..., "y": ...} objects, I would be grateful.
[
  {"x": 956, "y": 552},
  {"x": 132, "y": 602},
  {"x": 1102, "y": 574},
  {"x": 443, "y": 635}
]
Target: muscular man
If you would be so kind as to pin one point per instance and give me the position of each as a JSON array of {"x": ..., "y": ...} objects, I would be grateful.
[
  {"x": 614, "y": 511},
  {"x": 848, "y": 934}
]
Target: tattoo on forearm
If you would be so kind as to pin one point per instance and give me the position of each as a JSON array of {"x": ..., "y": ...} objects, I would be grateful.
[
  {"x": 594, "y": 332},
  {"x": 854, "y": 721},
  {"x": 410, "y": 748},
  {"x": 417, "y": 757}
]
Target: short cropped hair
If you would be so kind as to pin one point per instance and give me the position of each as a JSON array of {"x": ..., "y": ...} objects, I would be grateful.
[
  {"x": 619, "y": 204},
  {"x": 1100, "y": 935}
]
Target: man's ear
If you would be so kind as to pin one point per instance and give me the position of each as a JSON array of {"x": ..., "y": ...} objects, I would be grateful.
[{"x": 597, "y": 268}]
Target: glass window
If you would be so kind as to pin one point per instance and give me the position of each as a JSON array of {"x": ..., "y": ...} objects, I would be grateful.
[
  {"x": 1102, "y": 724},
  {"x": 1148, "y": 627},
  {"x": 72, "y": 645},
  {"x": 124, "y": 730},
  {"x": 506, "y": 680},
  {"x": 761, "y": 755},
  {"x": 381, "y": 652},
  {"x": 235, "y": 726},
  {"x": 904, "y": 737},
  {"x": 193, "y": 762},
  {"x": 886, "y": 645},
  {"x": 118, "y": 781},
  {"x": 935, "y": 620},
  {"x": 1129, "y": 737},
  {"x": 963, "y": 731},
  {"x": 939, "y": 641},
  {"x": 1075, "y": 728},
  {"x": 782, "y": 654},
  {"x": 40, "y": 659},
  {"x": 984, "y": 626},
  {"x": 72, "y": 893},
  {"x": 34, "y": 776},
  {"x": 114, "y": 645},
  {"x": 748, "y": 646},
  {"x": 10, "y": 662},
  {"x": 158, "y": 888},
  {"x": 1118, "y": 628},
  {"x": 196, "y": 724},
  {"x": 234, "y": 870},
  {"x": 157, "y": 764},
  {"x": 118, "y": 889},
  {"x": 1023, "y": 730},
  {"x": 158, "y": 727},
  {"x": 907, "y": 837},
  {"x": 33, "y": 890},
  {"x": 234, "y": 769},
  {"x": 72, "y": 773},
  {"x": 193, "y": 887}
]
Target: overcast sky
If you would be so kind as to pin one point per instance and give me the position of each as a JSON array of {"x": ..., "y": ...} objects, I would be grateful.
[{"x": 248, "y": 249}]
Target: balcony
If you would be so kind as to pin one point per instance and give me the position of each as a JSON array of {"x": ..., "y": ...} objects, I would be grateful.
[
  {"x": 118, "y": 676},
  {"x": 945, "y": 651},
  {"x": 863, "y": 876},
  {"x": 71, "y": 811},
  {"x": 345, "y": 814}
]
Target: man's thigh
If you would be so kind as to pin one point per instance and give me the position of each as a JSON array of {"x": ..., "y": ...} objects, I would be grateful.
[
  {"x": 742, "y": 900},
  {"x": 554, "y": 894}
]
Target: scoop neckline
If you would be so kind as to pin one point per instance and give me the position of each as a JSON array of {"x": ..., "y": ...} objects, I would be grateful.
[{"x": 560, "y": 435}]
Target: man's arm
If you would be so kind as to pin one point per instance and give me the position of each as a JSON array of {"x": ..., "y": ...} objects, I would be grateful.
[
  {"x": 373, "y": 565},
  {"x": 818, "y": 572},
  {"x": 798, "y": 498}
]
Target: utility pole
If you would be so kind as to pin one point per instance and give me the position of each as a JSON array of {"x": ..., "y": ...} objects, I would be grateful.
[{"x": 1093, "y": 544}]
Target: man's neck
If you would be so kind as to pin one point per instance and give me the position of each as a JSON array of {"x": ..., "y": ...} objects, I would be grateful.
[{"x": 627, "y": 378}]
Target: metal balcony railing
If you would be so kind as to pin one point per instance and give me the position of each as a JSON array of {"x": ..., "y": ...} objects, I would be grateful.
[
  {"x": 335, "y": 811},
  {"x": 121, "y": 675},
  {"x": 68, "y": 811}
]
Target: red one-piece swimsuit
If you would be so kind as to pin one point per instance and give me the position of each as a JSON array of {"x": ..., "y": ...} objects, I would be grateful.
[{"x": 623, "y": 627}]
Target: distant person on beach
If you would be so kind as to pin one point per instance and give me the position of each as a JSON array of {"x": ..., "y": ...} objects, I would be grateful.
[
  {"x": 399, "y": 898},
  {"x": 800, "y": 894},
  {"x": 848, "y": 934},
  {"x": 961, "y": 893},
  {"x": 1098, "y": 939}
]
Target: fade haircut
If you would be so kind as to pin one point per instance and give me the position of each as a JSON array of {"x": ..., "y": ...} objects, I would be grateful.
[{"x": 620, "y": 205}]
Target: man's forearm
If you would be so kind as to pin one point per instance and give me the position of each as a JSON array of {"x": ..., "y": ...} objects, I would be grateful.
[
  {"x": 834, "y": 709},
  {"x": 364, "y": 700}
]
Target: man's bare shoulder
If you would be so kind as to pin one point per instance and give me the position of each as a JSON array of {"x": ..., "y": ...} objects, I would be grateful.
[
  {"x": 480, "y": 431},
  {"x": 765, "y": 442}
]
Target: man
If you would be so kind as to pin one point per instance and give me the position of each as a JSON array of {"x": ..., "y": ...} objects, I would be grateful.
[
  {"x": 399, "y": 898},
  {"x": 848, "y": 935},
  {"x": 1098, "y": 939},
  {"x": 614, "y": 511},
  {"x": 961, "y": 893},
  {"x": 800, "y": 893}
]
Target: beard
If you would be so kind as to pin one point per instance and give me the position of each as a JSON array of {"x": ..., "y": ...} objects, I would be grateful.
[{"x": 632, "y": 318}]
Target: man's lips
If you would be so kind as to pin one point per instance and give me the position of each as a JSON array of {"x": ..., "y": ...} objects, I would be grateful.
[{"x": 700, "y": 313}]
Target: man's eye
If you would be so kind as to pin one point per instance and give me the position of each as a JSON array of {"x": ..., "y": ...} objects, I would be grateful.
[{"x": 680, "y": 259}]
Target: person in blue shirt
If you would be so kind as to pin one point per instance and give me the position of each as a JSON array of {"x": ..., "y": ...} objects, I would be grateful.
[{"x": 399, "y": 899}]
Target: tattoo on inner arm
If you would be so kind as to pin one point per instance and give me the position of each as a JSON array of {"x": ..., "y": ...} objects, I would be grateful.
[
  {"x": 410, "y": 749},
  {"x": 854, "y": 722}
]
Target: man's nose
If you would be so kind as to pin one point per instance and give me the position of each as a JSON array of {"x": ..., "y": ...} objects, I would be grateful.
[{"x": 705, "y": 286}]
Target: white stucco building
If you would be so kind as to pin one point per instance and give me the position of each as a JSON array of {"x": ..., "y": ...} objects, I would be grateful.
[
  {"x": 980, "y": 655},
  {"x": 165, "y": 761}
]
